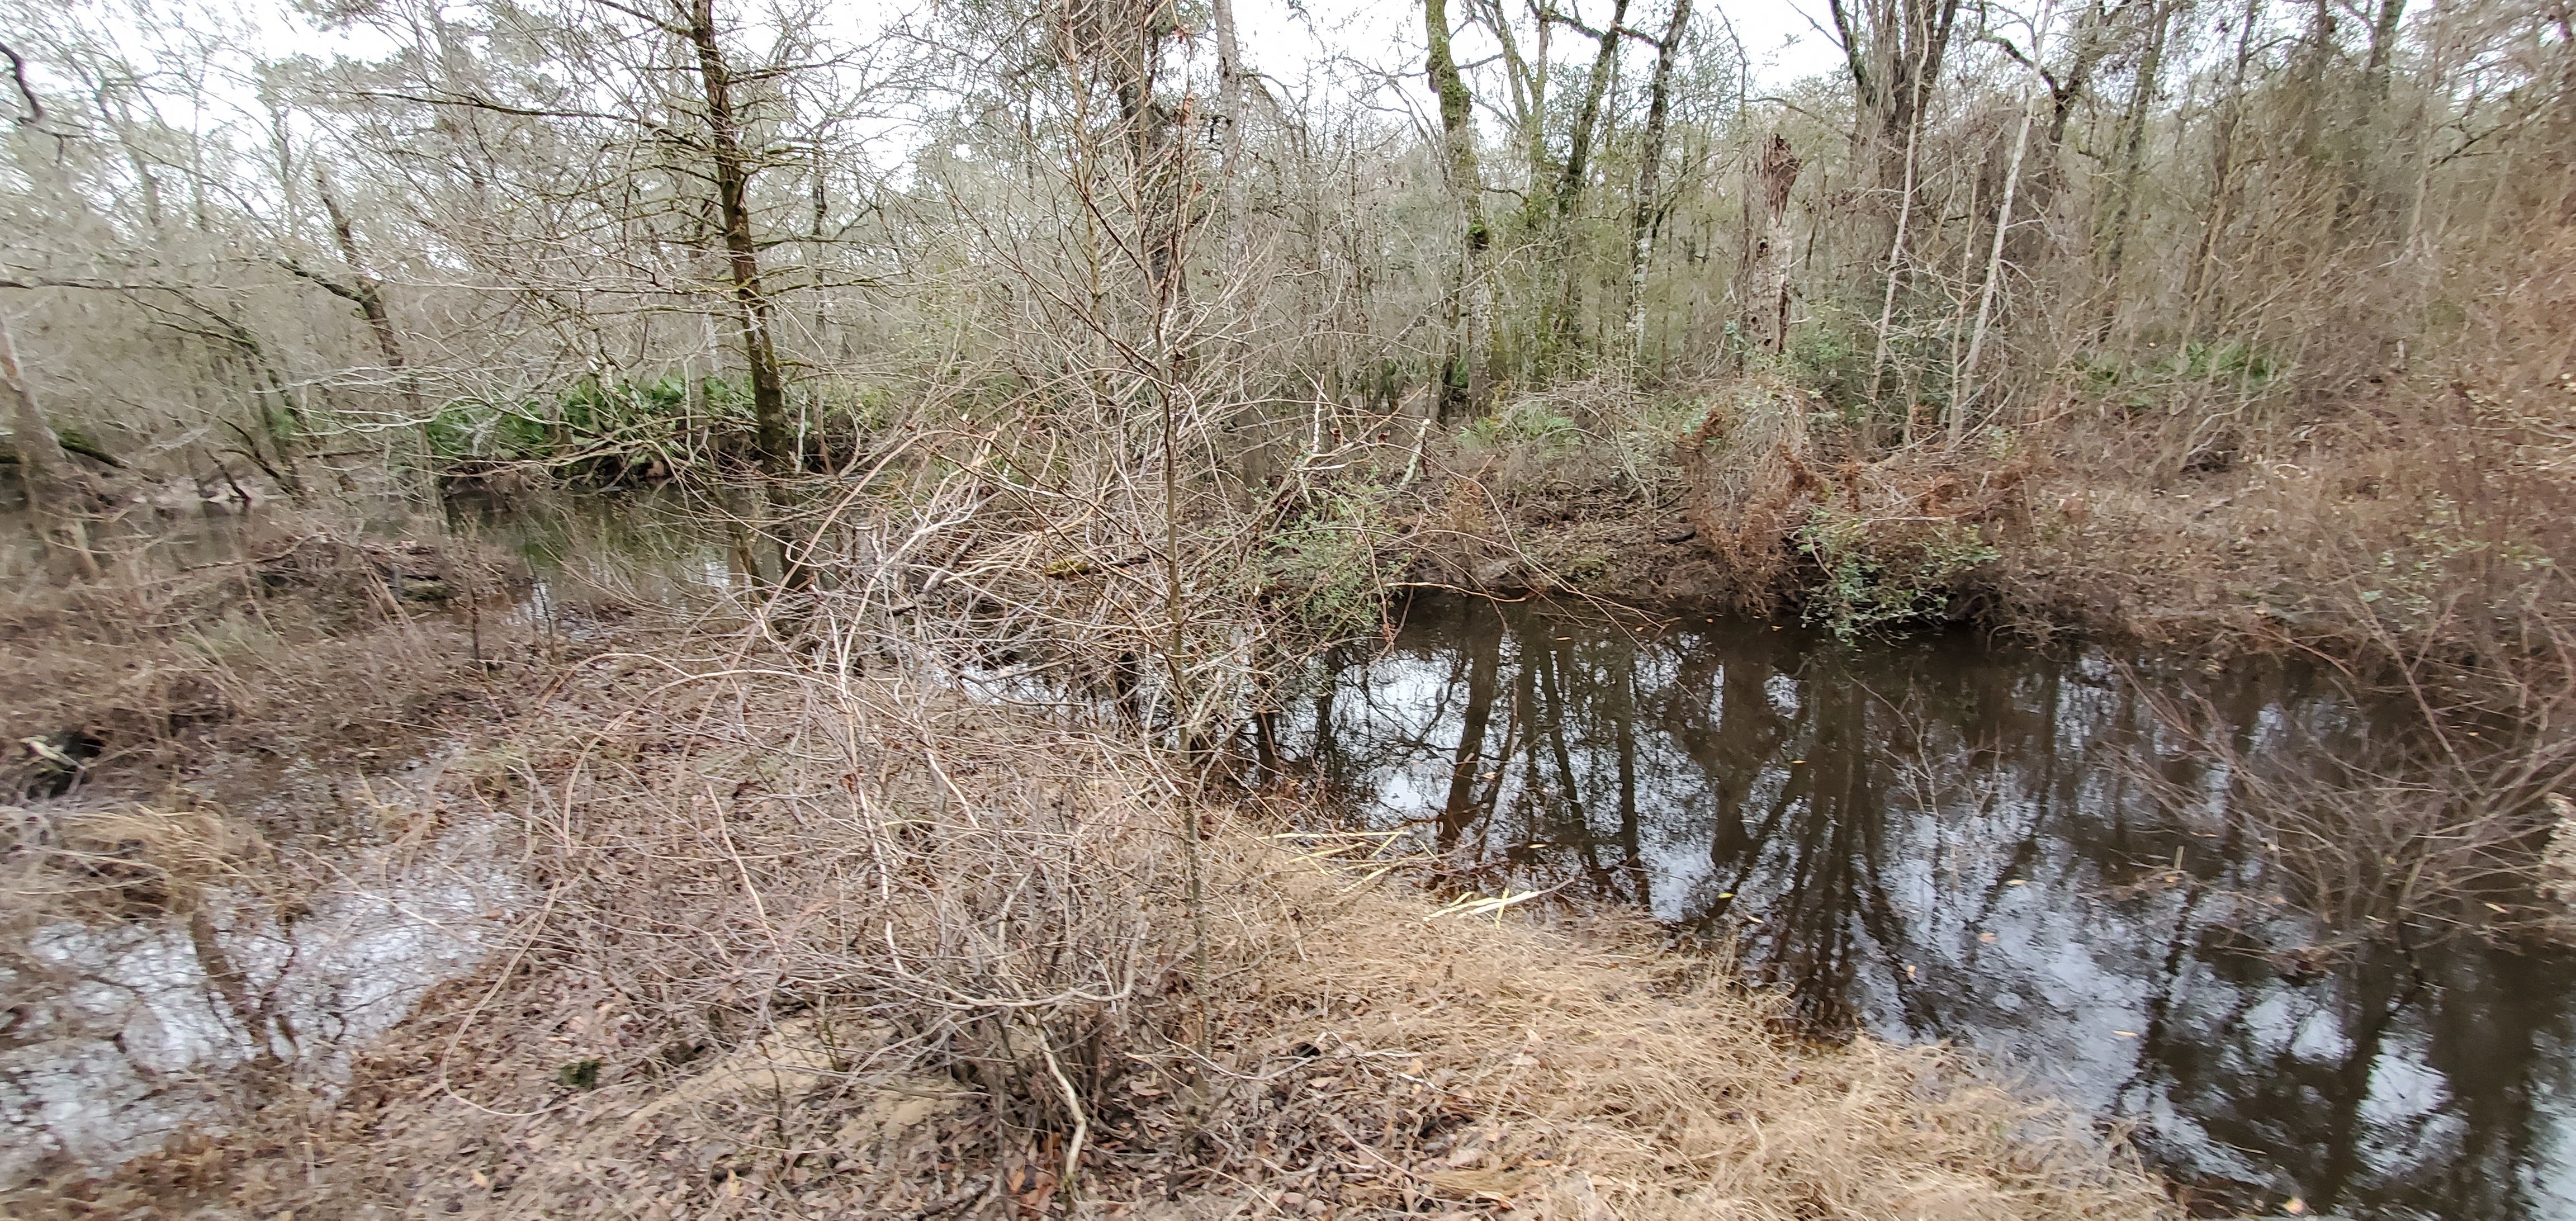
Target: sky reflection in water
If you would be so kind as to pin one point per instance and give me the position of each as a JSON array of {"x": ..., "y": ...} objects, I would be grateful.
[{"x": 1942, "y": 840}]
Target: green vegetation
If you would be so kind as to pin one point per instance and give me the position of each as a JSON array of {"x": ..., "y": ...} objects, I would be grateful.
[{"x": 1879, "y": 577}]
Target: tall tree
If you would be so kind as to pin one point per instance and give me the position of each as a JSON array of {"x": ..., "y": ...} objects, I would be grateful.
[
  {"x": 1650, "y": 167},
  {"x": 1461, "y": 383},
  {"x": 54, "y": 488},
  {"x": 1891, "y": 48},
  {"x": 2132, "y": 155},
  {"x": 732, "y": 171},
  {"x": 1576, "y": 173}
]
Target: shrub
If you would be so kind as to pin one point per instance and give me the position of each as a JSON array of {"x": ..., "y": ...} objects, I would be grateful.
[{"x": 1880, "y": 575}]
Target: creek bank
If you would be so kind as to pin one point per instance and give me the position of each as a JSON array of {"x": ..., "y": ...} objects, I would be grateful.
[
  {"x": 2220, "y": 564},
  {"x": 775, "y": 968}
]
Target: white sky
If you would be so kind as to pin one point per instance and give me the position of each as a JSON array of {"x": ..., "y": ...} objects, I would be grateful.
[
  {"x": 1285, "y": 38},
  {"x": 1310, "y": 47}
]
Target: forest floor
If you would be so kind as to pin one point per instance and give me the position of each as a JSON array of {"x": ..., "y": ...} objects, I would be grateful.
[{"x": 758, "y": 942}]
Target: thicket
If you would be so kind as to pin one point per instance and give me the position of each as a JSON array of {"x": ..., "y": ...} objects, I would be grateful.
[
  {"x": 2065, "y": 265},
  {"x": 883, "y": 906},
  {"x": 1049, "y": 346}
]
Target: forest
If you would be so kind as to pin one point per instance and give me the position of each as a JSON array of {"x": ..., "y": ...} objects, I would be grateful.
[{"x": 693, "y": 607}]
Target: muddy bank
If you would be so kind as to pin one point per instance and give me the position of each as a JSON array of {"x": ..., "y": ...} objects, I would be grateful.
[{"x": 2254, "y": 559}]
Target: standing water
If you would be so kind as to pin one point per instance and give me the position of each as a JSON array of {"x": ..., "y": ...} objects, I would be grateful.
[
  {"x": 1942, "y": 840},
  {"x": 1936, "y": 841},
  {"x": 2004, "y": 849}
]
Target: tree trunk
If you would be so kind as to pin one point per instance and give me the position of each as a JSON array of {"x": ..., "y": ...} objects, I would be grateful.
[
  {"x": 1572, "y": 179},
  {"x": 1155, "y": 158},
  {"x": 733, "y": 208},
  {"x": 369, "y": 297},
  {"x": 1896, "y": 265},
  {"x": 54, "y": 488},
  {"x": 1650, "y": 166},
  {"x": 2222, "y": 178},
  {"x": 1961, "y": 393},
  {"x": 1775, "y": 170},
  {"x": 1892, "y": 49},
  {"x": 1251, "y": 417},
  {"x": 2133, "y": 148},
  {"x": 1229, "y": 76},
  {"x": 1461, "y": 375},
  {"x": 2089, "y": 43}
]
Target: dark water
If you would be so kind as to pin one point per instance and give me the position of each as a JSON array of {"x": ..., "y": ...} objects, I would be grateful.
[
  {"x": 1948, "y": 841},
  {"x": 1938, "y": 840}
]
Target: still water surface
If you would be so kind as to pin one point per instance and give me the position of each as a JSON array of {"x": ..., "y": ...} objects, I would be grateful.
[
  {"x": 1938, "y": 840},
  {"x": 1947, "y": 840}
]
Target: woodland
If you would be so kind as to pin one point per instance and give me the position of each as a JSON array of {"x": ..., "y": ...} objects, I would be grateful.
[{"x": 1146, "y": 351}]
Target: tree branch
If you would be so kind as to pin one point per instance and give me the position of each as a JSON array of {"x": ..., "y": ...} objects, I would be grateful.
[{"x": 18, "y": 75}]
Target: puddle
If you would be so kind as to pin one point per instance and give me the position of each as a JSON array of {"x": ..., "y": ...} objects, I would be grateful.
[{"x": 129, "y": 1032}]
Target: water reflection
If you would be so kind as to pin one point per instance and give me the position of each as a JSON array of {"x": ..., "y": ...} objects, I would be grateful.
[{"x": 2008, "y": 850}]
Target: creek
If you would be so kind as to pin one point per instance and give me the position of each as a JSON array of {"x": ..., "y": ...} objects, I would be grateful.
[
  {"x": 2007, "y": 849},
  {"x": 1942, "y": 839}
]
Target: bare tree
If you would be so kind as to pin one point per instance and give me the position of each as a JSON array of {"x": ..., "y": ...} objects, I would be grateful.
[
  {"x": 733, "y": 168},
  {"x": 54, "y": 489},
  {"x": 1644, "y": 216},
  {"x": 1460, "y": 386}
]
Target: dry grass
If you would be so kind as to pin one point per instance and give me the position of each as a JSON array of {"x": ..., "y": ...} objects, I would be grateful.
[
  {"x": 797, "y": 942},
  {"x": 216, "y": 658}
]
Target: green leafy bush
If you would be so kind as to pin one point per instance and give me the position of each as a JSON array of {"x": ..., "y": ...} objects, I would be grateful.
[
  {"x": 592, "y": 418},
  {"x": 1322, "y": 567},
  {"x": 1883, "y": 576}
]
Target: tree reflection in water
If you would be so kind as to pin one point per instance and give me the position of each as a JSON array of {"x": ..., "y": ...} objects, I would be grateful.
[{"x": 1946, "y": 841}]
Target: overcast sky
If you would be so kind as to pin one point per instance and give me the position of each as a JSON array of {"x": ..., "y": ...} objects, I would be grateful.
[{"x": 1311, "y": 47}]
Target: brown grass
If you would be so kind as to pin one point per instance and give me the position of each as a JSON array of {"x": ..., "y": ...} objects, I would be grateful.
[
  {"x": 216, "y": 658},
  {"x": 800, "y": 942}
]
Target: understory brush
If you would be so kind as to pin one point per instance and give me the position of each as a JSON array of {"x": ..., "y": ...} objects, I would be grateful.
[
  {"x": 625, "y": 432},
  {"x": 798, "y": 939},
  {"x": 210, "y": 650},
  {"x": 2215, "y": 494}
]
